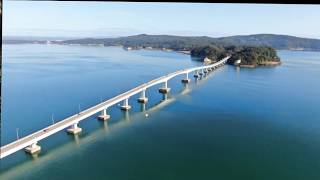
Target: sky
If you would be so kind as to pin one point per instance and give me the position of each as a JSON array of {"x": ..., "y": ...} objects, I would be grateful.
[{"x": 113, "y": 19}]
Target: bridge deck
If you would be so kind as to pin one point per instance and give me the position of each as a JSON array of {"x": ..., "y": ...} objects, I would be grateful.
[{"x": 52, "y": 129}]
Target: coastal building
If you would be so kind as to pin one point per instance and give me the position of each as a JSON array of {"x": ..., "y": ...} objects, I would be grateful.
[
  {"x": 206, "y": 60},
  {"x": 237, "y": 62}
]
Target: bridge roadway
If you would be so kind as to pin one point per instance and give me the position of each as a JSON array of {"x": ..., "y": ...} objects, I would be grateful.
[{"x": 33, "y": 138}]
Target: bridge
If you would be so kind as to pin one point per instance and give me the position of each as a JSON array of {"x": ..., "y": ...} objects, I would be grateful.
[{"x": 29, "y": 142}]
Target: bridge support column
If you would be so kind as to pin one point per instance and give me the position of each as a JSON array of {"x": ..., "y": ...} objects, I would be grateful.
[
  {"x": 196, "y": 75},
  {"x": 33, "y": 148},
  {"x": 205, "y": 71},
  {"x": 201, "y": 72},
  {"x": 125, "y": 106},
  {"x": 143, "y": 98},
  {"x": 104, "y": 116},
  {"x": 186, "y": 80},
  {"x": 74, "y": 129},
  {"x": 165, "y": 89}
]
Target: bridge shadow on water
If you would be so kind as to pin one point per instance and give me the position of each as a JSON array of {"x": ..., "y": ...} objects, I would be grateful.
[{"x": 106, "y": 127}]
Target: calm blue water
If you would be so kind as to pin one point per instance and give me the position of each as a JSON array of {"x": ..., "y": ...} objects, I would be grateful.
[{"x": 259, "y": 123}]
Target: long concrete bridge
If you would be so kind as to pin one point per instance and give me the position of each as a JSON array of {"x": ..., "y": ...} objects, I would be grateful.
[{"x": 29, "y": 143}]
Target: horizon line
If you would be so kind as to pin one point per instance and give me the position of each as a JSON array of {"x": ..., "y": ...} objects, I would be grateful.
[{"x": 101, "y": 36}]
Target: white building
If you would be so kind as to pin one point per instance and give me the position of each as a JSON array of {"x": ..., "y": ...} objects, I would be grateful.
[{"x": 237, "y": 62}]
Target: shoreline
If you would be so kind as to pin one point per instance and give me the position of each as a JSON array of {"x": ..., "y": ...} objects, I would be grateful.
[
  {"x": 102, "y": 45},
  {"x": 267, "y": 64}
]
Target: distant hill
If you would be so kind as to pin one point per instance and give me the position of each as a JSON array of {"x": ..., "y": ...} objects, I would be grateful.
[
  {"x": 279, "y": 42},
  {"x": 154, "y": 41}
]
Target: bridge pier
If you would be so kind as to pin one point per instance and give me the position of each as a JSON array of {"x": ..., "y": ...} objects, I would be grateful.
[
  {"x": 196, "y": 75},
  {"x": 74, "y": 129},
  {"x": 33, "y": 148},
  {"x": 125, "y": 106},
  {"x": 143, "y": 98},
  {"x": 143, "y": 107},
  {"x": 29, "y": 143},
  {"x": 104, "y": 116},
  {"x": 201, "y": 73},
  {"x": 165, "y": 89},
  {"x": 186, "y": 80}
]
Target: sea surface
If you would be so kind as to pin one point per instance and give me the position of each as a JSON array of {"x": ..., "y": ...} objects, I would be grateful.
[{"x": 261, "y": 123}]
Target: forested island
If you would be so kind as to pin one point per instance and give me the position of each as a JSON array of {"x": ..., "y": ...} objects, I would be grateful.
[
  {"x": 247, "y": 51},
  {"x": 244, "y": 56}
]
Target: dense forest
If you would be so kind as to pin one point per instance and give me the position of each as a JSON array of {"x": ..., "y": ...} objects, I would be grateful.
[
  {"x": 254, "y": 56},
  {"x": 212, "y": 52}
]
